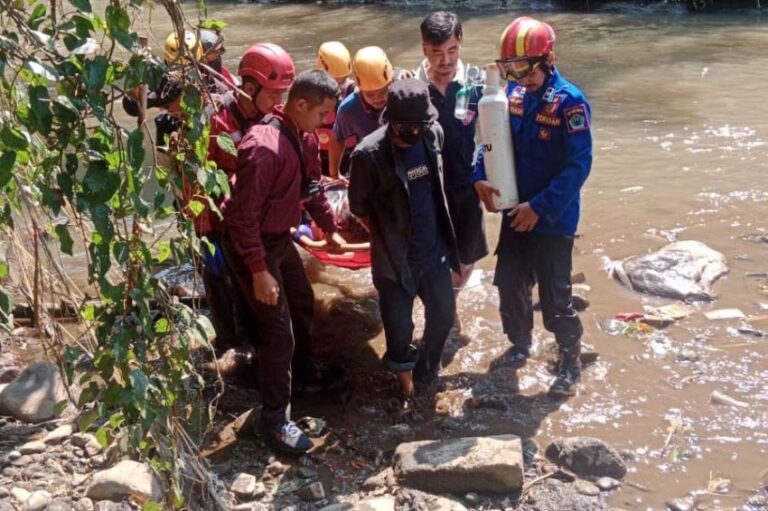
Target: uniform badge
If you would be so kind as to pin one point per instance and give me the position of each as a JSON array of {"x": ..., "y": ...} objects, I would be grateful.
[
  {"x": 549, "y": 120},
  {"x": 544, "y": 134},
  {"x": 516, "y": 105},
  {"x": 323, "y": 138},
  {"x": 549, "y": 94},
  {"x": 576, "y": 119},
  {"x": 553, "y": 105}
]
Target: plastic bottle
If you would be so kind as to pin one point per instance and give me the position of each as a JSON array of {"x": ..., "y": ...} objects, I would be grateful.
[
  {"x": 496, "y": 137},
  {"x": 462, "y": 103}
]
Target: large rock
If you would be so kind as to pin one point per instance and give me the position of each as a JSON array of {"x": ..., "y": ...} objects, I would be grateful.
[
  {"x": 123, "y": 480},
  {"x": 684, "y": 270},
  {"x": 33, "y": 396},
  {"x": 482, "y": 464},
  {"x": 587, "y": 457}
]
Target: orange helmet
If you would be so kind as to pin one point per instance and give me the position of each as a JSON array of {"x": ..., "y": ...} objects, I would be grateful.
[{"x": 526, "y": 38}]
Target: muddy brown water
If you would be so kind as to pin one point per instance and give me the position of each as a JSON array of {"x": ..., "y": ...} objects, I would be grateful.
[{"x": 680, "y": 125}]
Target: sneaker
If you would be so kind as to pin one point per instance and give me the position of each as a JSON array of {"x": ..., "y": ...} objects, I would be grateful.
[
  {"x": 514, "y": 358},
  {"x": 568, "y": 376},
  {"x": 286, "y": 437}
]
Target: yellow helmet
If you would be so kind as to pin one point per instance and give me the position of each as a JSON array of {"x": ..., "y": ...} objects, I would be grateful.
[
  {"x": 171, "y": 50},
  {"x": 372, "y": 69},
  {"x": 333, "y": 57}
]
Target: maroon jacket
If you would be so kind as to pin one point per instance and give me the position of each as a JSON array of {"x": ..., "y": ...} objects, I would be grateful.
[{"x": 266, "y": 196}]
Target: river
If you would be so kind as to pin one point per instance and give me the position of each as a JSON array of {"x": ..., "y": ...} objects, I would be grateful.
[{"x": 680, "y": 127}]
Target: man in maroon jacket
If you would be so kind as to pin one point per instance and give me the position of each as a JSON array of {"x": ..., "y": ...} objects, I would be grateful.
[{"x": 271, "y": 183}]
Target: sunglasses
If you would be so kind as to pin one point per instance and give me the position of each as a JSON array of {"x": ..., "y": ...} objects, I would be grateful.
[
  {"x": 411, "y": 127},
  {"x": 516, "y": 69}
]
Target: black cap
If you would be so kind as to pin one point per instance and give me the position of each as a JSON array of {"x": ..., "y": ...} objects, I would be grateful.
[{"x": 408, "y": 101}]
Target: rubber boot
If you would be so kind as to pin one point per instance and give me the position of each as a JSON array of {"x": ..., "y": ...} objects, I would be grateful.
[{"x": 568, "y": 372}]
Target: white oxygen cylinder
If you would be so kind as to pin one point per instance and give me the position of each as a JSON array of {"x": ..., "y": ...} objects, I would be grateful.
[{"x": 496, "y": 138}]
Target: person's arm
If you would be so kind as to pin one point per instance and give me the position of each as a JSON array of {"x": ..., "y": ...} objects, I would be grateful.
[
  {"x": 361, "y": 187},
  {"x": 551, "y": 203},
  {"x": 484, "y": 189},
  {"x": 335, "y": 155},
  {"x": 257, "y": 167}
]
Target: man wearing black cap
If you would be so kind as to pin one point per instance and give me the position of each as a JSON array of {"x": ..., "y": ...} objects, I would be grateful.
[{"x": 396, "y": 189}]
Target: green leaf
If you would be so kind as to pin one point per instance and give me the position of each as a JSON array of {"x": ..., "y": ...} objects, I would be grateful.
[
  {"x": 140, "y": 384},
  {"x": 226, "y": 143},
  {"x": 96, "y": 73},
  {"x": 89, "y": 312},
  {"x": 3, "y": 269},
  {"x": 62, "y": 231},
  {"x": 37, "y": 16},
  {"x": 87, "y": 419},
  {"x": 6, "y": 167},
  {"x": 196, "y": 207},
  {"x": 214, "y": 24},
  {"x": 163, "y": 251},
  {"x": 151, "y": 505},
  {"x": 81, "y": 5},
  {"x": 102, "y": 436},
  {"x": 136, "y": 149},
  {"x": 13, "y": 139},
  {"x": 6, "y": 305},
  {"x": 162, "y": 326},
  {"x": 118, "y": 24}
]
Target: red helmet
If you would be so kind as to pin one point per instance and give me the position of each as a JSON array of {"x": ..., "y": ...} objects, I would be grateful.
[
  {"x": 527, "y": 38},
  {"x": 268, "y": 64}
]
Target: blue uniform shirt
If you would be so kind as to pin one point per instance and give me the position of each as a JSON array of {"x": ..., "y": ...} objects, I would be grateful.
[
  {"x": 425, "y": 245},
  {"x": 553, "y": 151},
  {"x": 354, "y": 118}
]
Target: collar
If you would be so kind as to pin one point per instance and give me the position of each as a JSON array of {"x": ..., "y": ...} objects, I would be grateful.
[
  {"x": 460, "y": 76},
  {"x": 279, "y": 113}
]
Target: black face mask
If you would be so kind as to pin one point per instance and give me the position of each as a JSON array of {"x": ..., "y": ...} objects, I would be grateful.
[{"x": 410, "y": 133}]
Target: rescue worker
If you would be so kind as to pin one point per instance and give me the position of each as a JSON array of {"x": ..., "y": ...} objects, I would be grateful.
[
  {"x": 396, "y": 190},
  {"x": 266, "y": 202},
  {"x": 213, "y": 50},
  {"x": 447, "y": 76},
  {"x": 266, "y": 71},
  {"x": 333, "y": 57},
  {"x": 359, "y": 114},
  {"x": 550, "y": 119}
]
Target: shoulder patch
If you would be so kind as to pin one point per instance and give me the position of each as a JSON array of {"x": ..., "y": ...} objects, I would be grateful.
[{"x": 576, "y": 118}]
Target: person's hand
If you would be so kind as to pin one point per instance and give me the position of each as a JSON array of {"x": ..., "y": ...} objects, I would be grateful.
[
  {"x": 486, "y": 191},
  {"x": 335, "y": 241},
  {"x": 524, "y": 218},
  {"x": 265, "y": 287}
]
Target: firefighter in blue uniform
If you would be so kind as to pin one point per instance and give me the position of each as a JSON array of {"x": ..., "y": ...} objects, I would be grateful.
[{"x": 550, "y": 119}]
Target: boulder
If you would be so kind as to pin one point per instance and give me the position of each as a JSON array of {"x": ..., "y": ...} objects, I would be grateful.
[
  {"x": 684, "y": 270},
  {"x": 34, "y": 447},
  {"x": 34, "y": 395},
  {"x": 125, "y": 479},
  {"x": 244, "y": 486},
  {"x": 587, "y": 457},
  {"x": 37, "y": 501},
  {"x": 377, "y": 504},
  {"x": 312, "y": 492},
  {"x": 491, "y": 464},
  {"x": 59, "y": 434}
]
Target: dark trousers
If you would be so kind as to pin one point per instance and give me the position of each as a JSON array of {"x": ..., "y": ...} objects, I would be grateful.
[
  {"x": 282, "y": 327},
  {"x": 527, "y": 258},
  {"x": 230, "y": 315},
  {"x": 434, "y": 288}
]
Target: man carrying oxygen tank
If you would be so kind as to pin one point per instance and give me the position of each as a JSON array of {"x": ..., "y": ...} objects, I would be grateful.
[
  {"x": 550, "y": 123},
  {"x": 454, "y": 93}
]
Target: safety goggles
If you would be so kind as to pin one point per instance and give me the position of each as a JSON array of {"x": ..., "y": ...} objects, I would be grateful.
[
  {"x": 517, "y": 69},
  {"x": 405, "y": 128}
]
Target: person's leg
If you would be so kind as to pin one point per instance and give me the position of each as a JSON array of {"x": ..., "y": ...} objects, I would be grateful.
[
  {"x": 515, "y": 277},
  {"x": 301, "y": 302},
  {"x": 553, "y": 267},
  {"x": 396, "y": 306},
  {"x": 276, "y": 344},
  {"x": 439, "y": 310}
]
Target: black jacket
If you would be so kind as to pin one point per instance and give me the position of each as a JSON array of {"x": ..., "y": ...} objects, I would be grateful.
[{"x": 378, "y": 190}]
